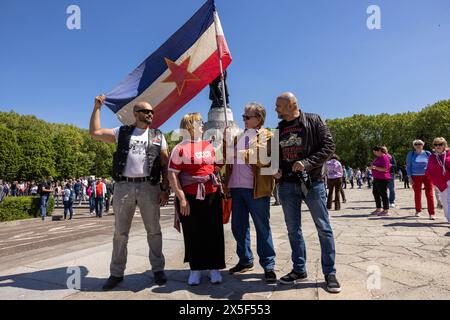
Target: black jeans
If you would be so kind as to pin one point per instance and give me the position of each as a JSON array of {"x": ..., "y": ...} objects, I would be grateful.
[{"x": 379, "y": 191}]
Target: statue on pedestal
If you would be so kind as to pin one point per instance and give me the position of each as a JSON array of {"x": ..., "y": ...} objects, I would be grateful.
[{"x": 216, "y": 92}]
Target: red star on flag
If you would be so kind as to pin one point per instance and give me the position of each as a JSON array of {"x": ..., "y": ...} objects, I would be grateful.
[{"x": 180, "y": 74}]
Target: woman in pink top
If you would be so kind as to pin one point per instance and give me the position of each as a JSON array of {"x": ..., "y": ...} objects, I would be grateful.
[
  {"x": 381, "y": 177},
  {"x": 438, "y": 171}
]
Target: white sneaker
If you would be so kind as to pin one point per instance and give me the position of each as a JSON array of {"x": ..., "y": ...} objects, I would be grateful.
[
  {"x": 392, "y": 205},
  {"x": 194, "y": 278},
  {"x": 215, "y": 276},
  {"x": 417, "y": 214}
]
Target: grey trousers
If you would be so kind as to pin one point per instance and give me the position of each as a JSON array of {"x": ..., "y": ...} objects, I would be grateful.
[{"x": 126, "y": 196}]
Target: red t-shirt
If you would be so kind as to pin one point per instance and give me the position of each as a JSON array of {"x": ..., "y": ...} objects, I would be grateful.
[{"x": 196, "y": 159}]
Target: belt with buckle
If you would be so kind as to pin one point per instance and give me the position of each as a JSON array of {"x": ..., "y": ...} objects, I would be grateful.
[{"x": 135, "y": 180}]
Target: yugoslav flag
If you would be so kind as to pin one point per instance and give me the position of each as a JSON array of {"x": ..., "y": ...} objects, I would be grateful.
[{"x": 177, "y": 71}]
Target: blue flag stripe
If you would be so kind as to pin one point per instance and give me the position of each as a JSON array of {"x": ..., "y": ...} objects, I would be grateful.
[{"x": 154, "y": 66}]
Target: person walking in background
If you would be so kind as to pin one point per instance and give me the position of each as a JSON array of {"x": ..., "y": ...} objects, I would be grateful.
[
  {"x": 109, "y": 194},
  {"x": 45, "y": 190},
  {"x": 391, "y": 185},
  {"x": 359, "y": 178},
  {"x": 416, "y": 164},
  {"x": 14, "y": 189},
  {"x": 57, "y": 193},
  {"x": 369, "y": 177},
  {"x": 100, "y": 192},
  {"x": 350, "y": 177},
  {"x": 68, "y": 199},
  {"x": 2, "y": 194},
  {"x": 344, "y": 177},
  {"x": 334, "y": 181},
  {"x": 381, "y": 172},
  {"x": 438, "y": 171},
  {"x": 405, "y": 177},
  {"x": 77, "y": 188},
  {"x": 91, "y": 197}
]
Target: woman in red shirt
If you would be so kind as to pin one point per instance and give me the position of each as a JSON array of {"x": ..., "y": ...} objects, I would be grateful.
[{"x": 192, "y": 177}]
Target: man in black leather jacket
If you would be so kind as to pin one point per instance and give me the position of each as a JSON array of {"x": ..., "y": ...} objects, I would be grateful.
[{"x": 305, "y": 146}]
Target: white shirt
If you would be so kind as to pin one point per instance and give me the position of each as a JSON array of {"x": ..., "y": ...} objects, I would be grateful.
[{"x": 137, "y": 162}]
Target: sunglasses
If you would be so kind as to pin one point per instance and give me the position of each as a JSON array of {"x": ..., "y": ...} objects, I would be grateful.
[
  {"x": 438, "y": 144},
  {"x": 145, "y": 111},
  {"x": 245, "y": 117},
  {"x": 418, "y": 145}
]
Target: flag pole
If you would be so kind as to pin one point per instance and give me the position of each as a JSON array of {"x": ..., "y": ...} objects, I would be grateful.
[{"x": 224, "y": 97}]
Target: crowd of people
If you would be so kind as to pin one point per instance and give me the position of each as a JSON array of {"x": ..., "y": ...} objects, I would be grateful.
[{"x": 97, "y": 192}]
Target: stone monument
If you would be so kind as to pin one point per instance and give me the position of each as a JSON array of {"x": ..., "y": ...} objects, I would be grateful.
[{"x": 216, "y": 114}]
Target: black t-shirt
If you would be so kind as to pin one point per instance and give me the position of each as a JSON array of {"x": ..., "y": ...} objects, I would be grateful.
[
  {"x": 292, "y": 134},
  {"x": 42, "y": 186}
]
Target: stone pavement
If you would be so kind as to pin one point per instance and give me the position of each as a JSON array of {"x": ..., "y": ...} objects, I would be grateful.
[{"x": 396, "y": 257}]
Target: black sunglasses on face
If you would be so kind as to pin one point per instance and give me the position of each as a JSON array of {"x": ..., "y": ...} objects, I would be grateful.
[
  {"x": 418, "y": 145},
  {"x": 438, "y": 144},
  {"x": 245, "y": 117},
  {"x": 145, "y": 111}
]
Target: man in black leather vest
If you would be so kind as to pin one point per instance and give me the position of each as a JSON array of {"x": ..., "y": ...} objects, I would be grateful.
[{"x": 139, "y": 163}]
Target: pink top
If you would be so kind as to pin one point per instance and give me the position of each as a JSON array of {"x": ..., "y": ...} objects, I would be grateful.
[
  {"x": 334, "y": 169},
  {"x": 438, "y": 170},
  {"x": 242, "y": 174},
  {"x": 384, "y": 162}
]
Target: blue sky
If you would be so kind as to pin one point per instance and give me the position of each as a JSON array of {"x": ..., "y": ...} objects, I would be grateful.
[{"x": 321, "y": 50}]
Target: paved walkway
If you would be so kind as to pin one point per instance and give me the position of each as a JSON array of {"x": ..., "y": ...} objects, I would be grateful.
[{"x": 396, "y": 257}]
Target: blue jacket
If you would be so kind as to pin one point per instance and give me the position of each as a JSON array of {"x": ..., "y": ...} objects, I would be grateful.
[{"x": 419, "y": 169}]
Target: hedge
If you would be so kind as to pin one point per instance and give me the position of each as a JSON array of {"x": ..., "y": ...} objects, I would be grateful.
[{"x": 20, "y": 208}]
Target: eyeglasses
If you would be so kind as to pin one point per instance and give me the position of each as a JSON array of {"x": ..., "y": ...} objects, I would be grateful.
[
  {"x": 438, "y": 144},
  {"x": 418, "y": 145},
  {"x": 145, "y": 111},
  {"x": 246, "y": 117}
]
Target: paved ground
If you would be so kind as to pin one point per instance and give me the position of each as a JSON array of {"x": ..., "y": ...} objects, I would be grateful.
[{"x": 396, "y": 257}]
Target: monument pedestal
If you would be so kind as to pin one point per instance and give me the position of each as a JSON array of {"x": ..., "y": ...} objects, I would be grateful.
[{"x": 214, "y": 128}]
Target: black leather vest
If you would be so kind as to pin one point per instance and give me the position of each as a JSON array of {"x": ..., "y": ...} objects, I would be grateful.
[{"x": 153, "y": 154}]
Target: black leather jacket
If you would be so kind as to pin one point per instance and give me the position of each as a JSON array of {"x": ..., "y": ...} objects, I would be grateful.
[{"x": 318, "y": 143}]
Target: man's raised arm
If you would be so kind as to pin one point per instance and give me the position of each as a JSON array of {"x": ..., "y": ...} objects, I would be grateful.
[{"x": 95, "y": 130}]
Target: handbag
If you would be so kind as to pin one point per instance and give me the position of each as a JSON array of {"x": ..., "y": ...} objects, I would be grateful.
[
  {"x": 226, "y": 208},
  {"x": 226, "y": 202}
]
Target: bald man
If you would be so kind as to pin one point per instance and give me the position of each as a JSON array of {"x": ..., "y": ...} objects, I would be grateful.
[
  {"x": 305, "y": 146},
  {"x": 140, "y": 174}
]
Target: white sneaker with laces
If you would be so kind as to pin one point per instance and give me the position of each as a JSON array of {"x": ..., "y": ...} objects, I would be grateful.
[
  {"x": 215, "y": 276},
  {"x": 194, "y": 278}
]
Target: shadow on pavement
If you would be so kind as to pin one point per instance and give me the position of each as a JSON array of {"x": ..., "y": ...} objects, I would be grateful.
[
  {"x": 418, "y": 225},
  {"x": 61, "y": 279},
  {"x": 232, "y": 288},
  {"x": 352, "y": 216}
]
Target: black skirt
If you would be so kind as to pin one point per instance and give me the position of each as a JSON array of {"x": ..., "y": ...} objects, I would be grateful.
[{"x": 203, "y": 233}]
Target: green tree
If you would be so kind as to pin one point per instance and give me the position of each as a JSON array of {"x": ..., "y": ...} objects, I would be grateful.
[{"x": 10, "y": 154}]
